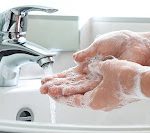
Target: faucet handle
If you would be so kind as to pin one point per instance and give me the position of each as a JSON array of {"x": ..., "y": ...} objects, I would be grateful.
[
  {"x": 23, "y": 10},
  {"x": 15, "y": 20}
]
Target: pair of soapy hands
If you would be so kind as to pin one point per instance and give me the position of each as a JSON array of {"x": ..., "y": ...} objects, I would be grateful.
[{"x": 105, "y": 75}]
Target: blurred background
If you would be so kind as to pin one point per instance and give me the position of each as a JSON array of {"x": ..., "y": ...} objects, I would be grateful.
[{"x": 104, "y": 8}]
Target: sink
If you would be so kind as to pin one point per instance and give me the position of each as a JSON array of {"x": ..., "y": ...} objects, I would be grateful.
[
  {"x": 24, "y": 102},
  {"x": 26, "y": 99}
]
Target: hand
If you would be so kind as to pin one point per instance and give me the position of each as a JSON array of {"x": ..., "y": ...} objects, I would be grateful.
[
  {"x": 126, "y": 45},
  {"x": 104, "y": 85},
  {"x": 77, "y": 80}
]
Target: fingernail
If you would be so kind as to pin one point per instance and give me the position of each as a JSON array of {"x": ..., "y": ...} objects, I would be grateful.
[{"x": 109, "y": 57}]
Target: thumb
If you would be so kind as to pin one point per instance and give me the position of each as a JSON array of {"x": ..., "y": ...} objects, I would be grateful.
[
  {"x": 85, "y": 54},
  {"x": 107, "y": 65}
]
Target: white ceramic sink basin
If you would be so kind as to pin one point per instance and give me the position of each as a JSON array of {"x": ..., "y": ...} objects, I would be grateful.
[
  {"x": 24, "y": 96},
  {"x": 134, "y": 117}
]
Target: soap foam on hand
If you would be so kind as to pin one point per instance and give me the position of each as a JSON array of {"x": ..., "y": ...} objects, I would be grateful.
[
  {"x": 137, "y": 84},
  {"x": 75, "y": 82},
  {"x": 93, "y": 74},
  {"x": 78, "y": 84},
  {"x": 91, "y": 80},
  {"x": 136, "y": 94}
]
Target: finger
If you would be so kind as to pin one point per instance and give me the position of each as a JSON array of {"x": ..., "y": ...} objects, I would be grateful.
[
  {"x": 63, "y": 74},
  {"x": 85, "y": 54},
  {"x": 46, "y": 79},
  {"x": 78, "y": 100},
  {"x": 51, "y": 90},
  {"x": 55, "y": 91},
  {"x": 82, "y": 68},
  {"x": 44, "y": 89},
  {"x": 94, "y": 99},
  {"x": 68, "y": 87},
  {"x": 112, "y": 43},
  {"x": 81, "y": 87},
  {"x": 108, "y": 65},
  {"x": 74, "y": 100},
  {"x": 109, "y": 57}
]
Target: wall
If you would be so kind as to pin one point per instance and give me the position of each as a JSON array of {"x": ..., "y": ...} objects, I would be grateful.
[
  {"x": 101, "y": 25},
  {"x": 54, "y": 32}
]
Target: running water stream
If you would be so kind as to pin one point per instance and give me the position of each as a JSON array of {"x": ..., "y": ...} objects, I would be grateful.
[{"x": 47, "y": 72}]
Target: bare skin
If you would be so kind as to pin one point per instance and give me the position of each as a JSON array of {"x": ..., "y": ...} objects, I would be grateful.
[
  {"x": 125, "y": 45},
  {"x": 77, "y": 80},
  {"x": 111, "y": 85}
]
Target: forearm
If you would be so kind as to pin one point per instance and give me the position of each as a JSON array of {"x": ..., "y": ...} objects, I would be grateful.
[{"x": 145, "y": 83}]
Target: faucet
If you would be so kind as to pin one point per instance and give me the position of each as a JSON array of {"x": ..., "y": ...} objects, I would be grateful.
[{"x": 15, "y": 50}]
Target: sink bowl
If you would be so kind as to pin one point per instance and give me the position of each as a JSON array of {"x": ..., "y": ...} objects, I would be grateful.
[{"x": 24, "y": 102}]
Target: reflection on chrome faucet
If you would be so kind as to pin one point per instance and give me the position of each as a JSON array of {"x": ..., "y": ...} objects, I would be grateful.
[{"x": 15, "y": 50}]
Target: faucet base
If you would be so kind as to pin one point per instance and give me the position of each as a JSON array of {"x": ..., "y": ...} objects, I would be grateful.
[{"x": 8, "y": 76}]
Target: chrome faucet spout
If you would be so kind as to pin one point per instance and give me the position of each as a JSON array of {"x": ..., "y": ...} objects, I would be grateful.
[{"x": 15, "y": 50}]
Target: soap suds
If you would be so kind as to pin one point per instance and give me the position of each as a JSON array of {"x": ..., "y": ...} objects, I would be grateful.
[
  {"x": 137, "y": 80},
  {"x": 81, "y": 83},
  {"x": 137, "y": 88},
  {"x": 136, "y": 94}
]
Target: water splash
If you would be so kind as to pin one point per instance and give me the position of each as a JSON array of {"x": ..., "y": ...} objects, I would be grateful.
[
  {"x": 48, "y": 69},
  {"x": 47, "y": 72}
]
